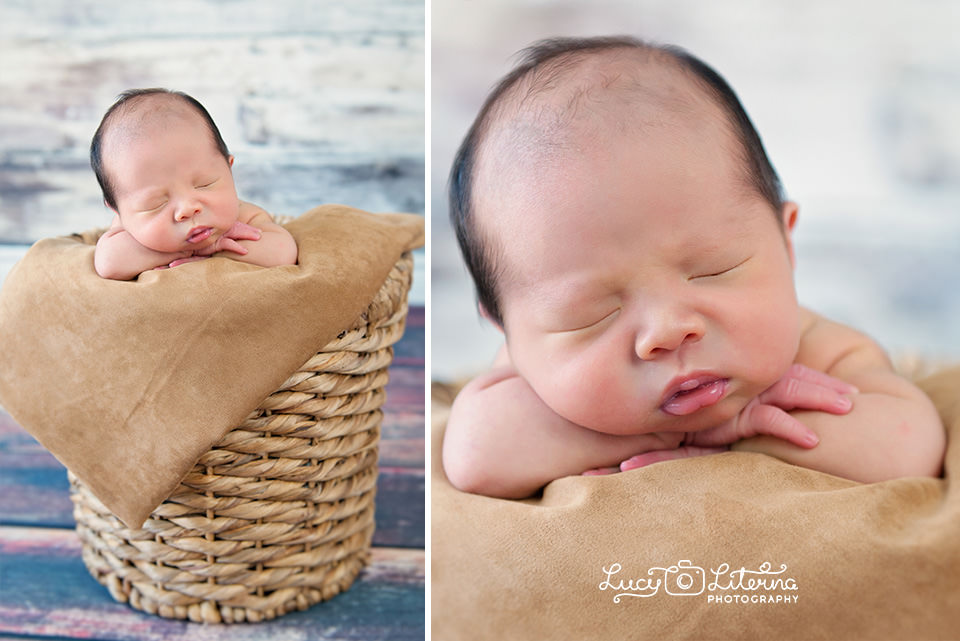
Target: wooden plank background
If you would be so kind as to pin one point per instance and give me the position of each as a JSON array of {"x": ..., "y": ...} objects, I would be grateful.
[{"x": 320, "y": 102}]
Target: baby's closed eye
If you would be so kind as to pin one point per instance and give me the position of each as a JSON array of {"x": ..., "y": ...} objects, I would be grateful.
[
  {"x": 153, "y": 207},
  {"x": 711, "y": 272},
  {"x": 587, "y": 321}
]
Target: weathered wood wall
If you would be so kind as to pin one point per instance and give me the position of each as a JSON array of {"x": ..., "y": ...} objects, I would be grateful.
[{"x": 320, "y": 101}]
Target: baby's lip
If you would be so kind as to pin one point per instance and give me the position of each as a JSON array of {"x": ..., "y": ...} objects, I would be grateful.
[
  {"x": 689, "y": 393},
  {"x": 199, "y": 234}
]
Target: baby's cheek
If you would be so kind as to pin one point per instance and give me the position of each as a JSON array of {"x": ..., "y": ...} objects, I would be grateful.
[
  {"x": 774, "y": 349},
  {"x": 590, "y": 396}
]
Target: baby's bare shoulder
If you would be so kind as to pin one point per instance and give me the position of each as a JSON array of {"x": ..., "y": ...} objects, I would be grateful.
[
  {"x": 250, "y": 212},
  {"x": 834, "y": 348}
]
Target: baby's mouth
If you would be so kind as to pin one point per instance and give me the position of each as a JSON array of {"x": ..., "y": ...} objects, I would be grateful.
[
  {"x": 199, "y": 234},
  {"x": 694, "y": 394}
]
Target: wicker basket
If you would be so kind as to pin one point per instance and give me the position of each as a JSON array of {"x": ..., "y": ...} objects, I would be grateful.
[{"x": 278, "y": 515}]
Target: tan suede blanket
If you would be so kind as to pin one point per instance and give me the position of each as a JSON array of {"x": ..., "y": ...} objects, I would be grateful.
[
  {"x": 129, "y": 383},
  {"x": 731, "y": 546}
]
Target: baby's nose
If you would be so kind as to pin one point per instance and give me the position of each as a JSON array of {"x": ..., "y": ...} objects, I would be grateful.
[
  {"x": 187, "y": 210},
  {"x": 667, "y": 330}
]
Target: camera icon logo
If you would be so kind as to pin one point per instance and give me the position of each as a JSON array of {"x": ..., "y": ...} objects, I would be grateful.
[{"x": 684, "y": 579}]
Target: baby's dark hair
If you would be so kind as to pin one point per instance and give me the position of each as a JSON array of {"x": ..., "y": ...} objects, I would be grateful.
[
  {"x": 125, "y": 100},
  {"x": 478, "y": 253}
]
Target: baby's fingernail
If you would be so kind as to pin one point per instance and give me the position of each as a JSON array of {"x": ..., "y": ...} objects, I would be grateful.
[
  {"x": 811, "y": 439},
  {"x": 843, "y": 403}
]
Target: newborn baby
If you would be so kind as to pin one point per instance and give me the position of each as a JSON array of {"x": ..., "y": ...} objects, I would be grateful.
[
  {"x": 166, "y": 174},
  {"x": 628, "y": 235}
]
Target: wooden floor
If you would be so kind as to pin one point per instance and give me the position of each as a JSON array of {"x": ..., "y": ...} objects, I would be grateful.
[{"x": 47, "y": 593}]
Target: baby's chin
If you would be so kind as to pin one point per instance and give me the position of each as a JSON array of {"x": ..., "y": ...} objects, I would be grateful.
[
  {"x": 660, "y": 421},
  {"x": 205, "y": 243},
  {"x": 166, "y": 248}
]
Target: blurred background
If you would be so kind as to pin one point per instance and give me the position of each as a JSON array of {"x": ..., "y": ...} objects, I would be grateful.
[
  {"x": 320, "y": 102},
  {"x": 858, "y": 105}
]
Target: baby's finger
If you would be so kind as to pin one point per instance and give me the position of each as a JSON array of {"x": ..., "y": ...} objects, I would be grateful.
[
  {"x": 797, "y": 393},
  {"x": 230, "y": 245},
  {"x": 601, "y": 471},
  {"x": 658, "y": 456},
  {"x": 250, "y": 233},
  {"x": 768, "y": 420},
  {"x": 188, "y": 259},
  {"x": 243, "y": 231},
  {"x": 820, "y": 378}
]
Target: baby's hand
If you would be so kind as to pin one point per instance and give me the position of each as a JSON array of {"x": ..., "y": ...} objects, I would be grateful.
[
  {"x": 228, "y": 241},
  {"x": 656, "y": 456},
  {"x": 183, "y": 257},
  {"x": 183, "y": 261},
  {"x": 800, "y": 388}
]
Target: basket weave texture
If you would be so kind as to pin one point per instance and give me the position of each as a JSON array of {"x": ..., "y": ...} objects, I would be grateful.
[{"x": 279, "y": 514}]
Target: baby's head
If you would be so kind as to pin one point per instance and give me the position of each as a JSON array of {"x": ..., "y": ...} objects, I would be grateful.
[
  {"x": 625, "y": 228},
  {"x": 551, "y": 89},
  {"x": 162, "y": 164}
]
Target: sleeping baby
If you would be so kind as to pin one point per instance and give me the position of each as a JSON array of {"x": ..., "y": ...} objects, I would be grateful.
[
  {"x": 166, "y": 174},
  {"x": 627, "y": 233}
]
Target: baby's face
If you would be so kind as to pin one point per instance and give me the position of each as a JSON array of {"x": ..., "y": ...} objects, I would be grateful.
[
  {"x": 646, "y": 289},
  {"x": 173, "y": 189}
]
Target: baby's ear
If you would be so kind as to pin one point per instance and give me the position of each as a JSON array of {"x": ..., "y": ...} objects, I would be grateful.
[
  {"x": 789, "y": 215},
  {"x": 483, "y": 312},
  {"x": 230, "y": 161}
]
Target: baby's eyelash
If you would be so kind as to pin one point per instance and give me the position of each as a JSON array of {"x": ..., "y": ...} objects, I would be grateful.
[
  {"x": 721, "y": 272},
  {"x": 593, "y": 323},
  {"x": 152, "y": 209}
]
